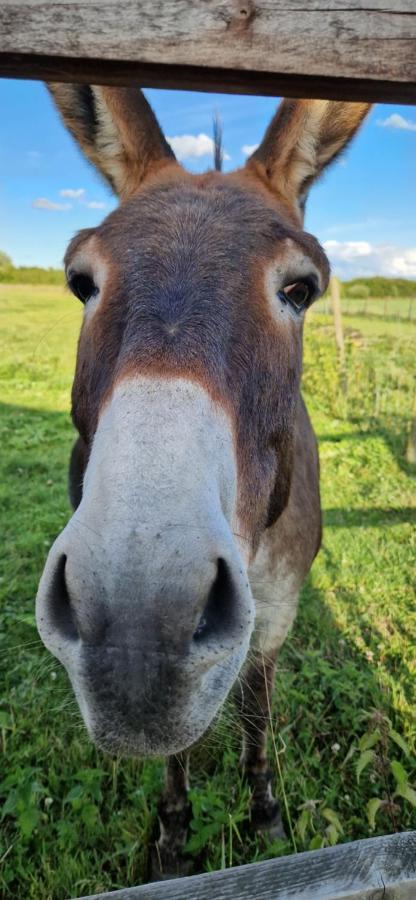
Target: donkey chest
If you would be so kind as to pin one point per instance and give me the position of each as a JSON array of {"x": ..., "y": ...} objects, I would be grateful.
[{"x": 275, "y": 587}]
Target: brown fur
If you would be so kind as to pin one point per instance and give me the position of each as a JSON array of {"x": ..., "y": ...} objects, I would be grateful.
[
  {"x": 303, "y": 137},
  {"x": 185, "y": 294},
  {"x": 182, "y": 304},
  {"x": 117, "y": 131}
]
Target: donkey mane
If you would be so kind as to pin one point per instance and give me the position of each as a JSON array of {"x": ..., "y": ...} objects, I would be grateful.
[{"x": 218, "y": 148}]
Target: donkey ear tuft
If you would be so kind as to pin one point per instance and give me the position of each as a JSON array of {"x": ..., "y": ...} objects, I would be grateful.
[
  {"x": 302, "y": 139},
  {"x": 117, "y": 131}
]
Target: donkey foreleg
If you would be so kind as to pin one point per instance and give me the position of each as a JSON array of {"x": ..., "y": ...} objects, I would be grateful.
[
  {"x": 174, "y": 813},
  {"x": 253, "y": 693}
]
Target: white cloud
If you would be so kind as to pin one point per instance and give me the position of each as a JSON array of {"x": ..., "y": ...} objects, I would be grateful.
[
  {"x": 397, "y": 121},
  {"x": 404, "y": 263},
  {"x": 79, "y": 194},
  {"x": 43, "y": 203},
  {"x": 74, "y": 193},
  {"x": 248, "y": 149},
  {"x": 348, "y": 250},
  {"x": 192, "y": 146},
  {"x": 351, "y": 259},
  {"x": 94, "y": 204}
]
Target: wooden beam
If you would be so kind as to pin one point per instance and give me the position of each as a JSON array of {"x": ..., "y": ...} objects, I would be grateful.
[
  {"x": 382, "y": 867},
  {"x": 348, "y": 49}
]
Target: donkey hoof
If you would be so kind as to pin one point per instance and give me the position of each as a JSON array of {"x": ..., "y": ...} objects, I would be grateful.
[
  {"x": 266, "y": 817},
  {"x": 165, "y": 865}
]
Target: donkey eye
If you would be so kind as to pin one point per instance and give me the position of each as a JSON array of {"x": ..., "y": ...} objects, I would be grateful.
[
  {"x": 82, "y": 286},
  {"x": 299, "y": 294}
]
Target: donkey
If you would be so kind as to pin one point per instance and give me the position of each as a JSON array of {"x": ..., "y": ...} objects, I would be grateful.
[{"x": 194, "y": 478}]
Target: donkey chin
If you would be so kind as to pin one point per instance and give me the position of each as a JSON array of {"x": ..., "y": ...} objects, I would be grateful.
[{"x": 145, "y": 718}]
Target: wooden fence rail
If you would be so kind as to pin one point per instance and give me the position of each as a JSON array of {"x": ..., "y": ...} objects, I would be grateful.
[
  {"x": 382, "y": 868},
  {"x": 354, "y": 50}
]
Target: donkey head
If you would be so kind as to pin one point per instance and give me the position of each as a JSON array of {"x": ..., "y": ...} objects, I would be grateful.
[{"x": 185, "y": 397}]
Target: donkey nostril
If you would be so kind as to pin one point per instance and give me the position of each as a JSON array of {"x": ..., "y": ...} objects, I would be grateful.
[
  {"x": 199, "y": 631},
  {"x": 61, "y": 614},
  {"x": 219, "y": 613}
]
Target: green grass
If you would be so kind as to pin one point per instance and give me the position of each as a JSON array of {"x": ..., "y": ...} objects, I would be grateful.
[{"x": 75, "y": 821}]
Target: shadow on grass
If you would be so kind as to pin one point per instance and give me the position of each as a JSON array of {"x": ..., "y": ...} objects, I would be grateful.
[
  {"x": 395, "y": 439},
  {"x": 370, "y": 517}
]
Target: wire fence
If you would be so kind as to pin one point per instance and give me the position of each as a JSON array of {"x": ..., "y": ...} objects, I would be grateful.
[{"x": 389, "y": 308}]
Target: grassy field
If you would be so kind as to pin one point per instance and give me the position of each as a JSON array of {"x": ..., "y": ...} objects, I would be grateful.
[{"x": 75, "y": 821}]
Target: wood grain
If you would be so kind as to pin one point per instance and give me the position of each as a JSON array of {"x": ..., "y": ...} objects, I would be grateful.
[
  {"x": 382, "y": 868},
  {"x": 352, "y": 49}
]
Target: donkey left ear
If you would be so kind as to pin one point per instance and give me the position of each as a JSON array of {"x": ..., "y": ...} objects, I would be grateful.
[
  {"x": 116, "y": 129},
  {"x": 302, "y": 139}
]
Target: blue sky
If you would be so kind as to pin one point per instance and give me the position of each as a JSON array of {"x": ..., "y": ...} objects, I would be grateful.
[{"x": 363, "y": 211}]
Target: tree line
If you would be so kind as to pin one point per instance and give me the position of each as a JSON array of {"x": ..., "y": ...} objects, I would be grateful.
[{"x": 376, "y": 286}]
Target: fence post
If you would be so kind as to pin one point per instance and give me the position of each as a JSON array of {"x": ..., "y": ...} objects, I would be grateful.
[
  {"x": 411, "y": 443},
  {"x": 336, "y": 311},
  {"x": 339, "y": 331}
]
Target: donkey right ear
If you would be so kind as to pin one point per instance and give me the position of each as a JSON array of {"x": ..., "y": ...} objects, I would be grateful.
[
  {"x": 117, "y": 131},
  {"x": 303, "y": 138}
]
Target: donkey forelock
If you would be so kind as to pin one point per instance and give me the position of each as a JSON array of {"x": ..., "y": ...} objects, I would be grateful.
[{"x": 186, "y": 399}]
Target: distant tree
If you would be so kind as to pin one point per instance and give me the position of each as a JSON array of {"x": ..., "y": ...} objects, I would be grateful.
[
  {"x": 377, "y": 286},
  {"x": 30, "y": 275},
  {"x": 5, "y": 260},
  {"x": 357, "y": 290}
]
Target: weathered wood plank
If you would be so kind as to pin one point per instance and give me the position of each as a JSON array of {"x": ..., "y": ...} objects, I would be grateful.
[
  {"x": 351, "y": 49},
  {"x": 382, "y": 868}
]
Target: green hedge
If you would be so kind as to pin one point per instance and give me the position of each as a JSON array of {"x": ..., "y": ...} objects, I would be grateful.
[
  {"x": 379, "y": 287},
  {"x": 30, "y": 275},
  {"x": 358, "y": 287}
]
